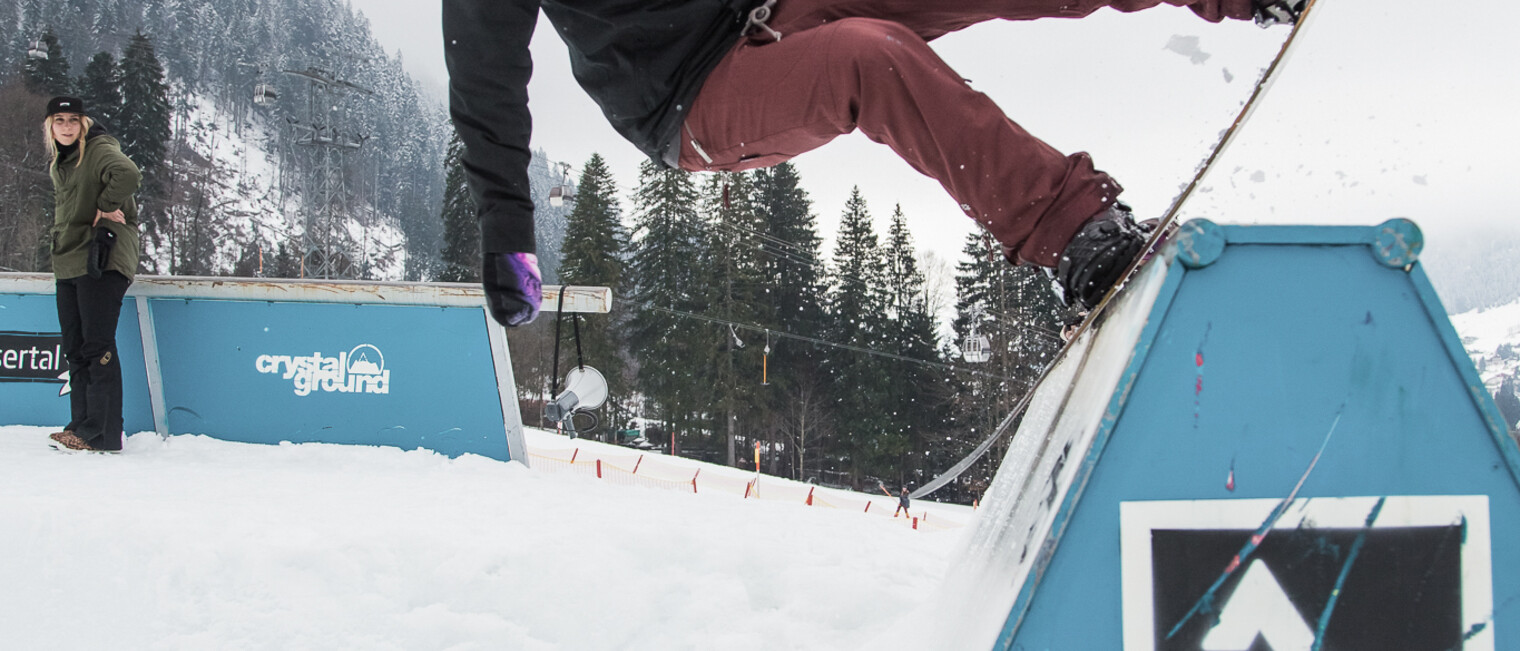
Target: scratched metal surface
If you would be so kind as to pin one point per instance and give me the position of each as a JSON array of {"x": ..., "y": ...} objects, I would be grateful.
[{"x": 1021, "y": 505}]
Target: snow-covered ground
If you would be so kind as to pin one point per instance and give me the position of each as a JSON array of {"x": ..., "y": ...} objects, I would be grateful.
[{"x": 196, "y": 543}]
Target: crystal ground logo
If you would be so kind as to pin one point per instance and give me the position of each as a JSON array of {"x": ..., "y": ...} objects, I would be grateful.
[{"x": 361, "y": 370}]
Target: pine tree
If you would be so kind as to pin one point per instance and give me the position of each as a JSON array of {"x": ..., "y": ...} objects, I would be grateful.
[
  {"x": 730, "y": 269},
  {"x": 50, "y": 76},
  {"x": 918, "y": 394},
  {"x": 1508, "y": 399},
  {"x": 792, "y": 271},
  {"x": 143, "y": 129},
  {"x": 100, "y": 88},
  {"x": 667, "y": 236},
  {"x": 594, "y": 253},
  {"x": 791, "y": 260},
  {"x": 594, "y": 236},
  {"x": 856, "y": 319},
  {"x": 145, "y": 114},
  {"x": 461, "y": 255},
  {"x": 1021, "y": 318},
  {"x": 983, "y": 400}
]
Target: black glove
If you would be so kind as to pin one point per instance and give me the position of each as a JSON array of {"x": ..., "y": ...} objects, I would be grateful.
[
  {"x": 100, "y": 252},
  {"x": 514, "y": 287}
]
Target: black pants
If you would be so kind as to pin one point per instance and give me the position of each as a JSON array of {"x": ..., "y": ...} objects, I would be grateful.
[{"x": 88, "y": 309}]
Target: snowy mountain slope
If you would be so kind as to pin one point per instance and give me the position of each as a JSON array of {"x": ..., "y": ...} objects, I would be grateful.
[
  {"x": 1492, "y": 339},
  {"x": 237, "y": 201}
]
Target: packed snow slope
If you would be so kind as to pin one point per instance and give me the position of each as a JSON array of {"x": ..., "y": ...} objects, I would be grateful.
[{"x": 196, "y": 543}]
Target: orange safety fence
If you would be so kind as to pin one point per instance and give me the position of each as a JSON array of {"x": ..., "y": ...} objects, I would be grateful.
[
  {"x": 655, "y": 471},
  {"x": 612, "y": 472}
]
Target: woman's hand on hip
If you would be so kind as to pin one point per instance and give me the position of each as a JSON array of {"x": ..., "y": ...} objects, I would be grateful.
[{"x": 114, "y": 215}]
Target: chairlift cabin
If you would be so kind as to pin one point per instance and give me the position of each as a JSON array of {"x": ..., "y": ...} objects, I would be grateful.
[
  {"x": 559, "y": 194},
  {"x": 265, "y": 94},
  {"x": 562, "y": 192},
  {"x": 37, "y": 51},
  {"x": 978, "y": 350}
]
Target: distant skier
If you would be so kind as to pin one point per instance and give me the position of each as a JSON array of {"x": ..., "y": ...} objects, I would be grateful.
[
  {"x": 902, "y": 503},
  {"x": 713, "y": 85},
  {"x": 902, "y": 498}
]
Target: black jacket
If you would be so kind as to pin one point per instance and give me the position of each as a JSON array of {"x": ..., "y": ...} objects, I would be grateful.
[{"x": 643, "y": 61}]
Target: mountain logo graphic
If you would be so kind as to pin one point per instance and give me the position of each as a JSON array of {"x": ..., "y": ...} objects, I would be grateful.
[
  {"x": 365, "y": 359},
  {"x": 361, "y": 370}
]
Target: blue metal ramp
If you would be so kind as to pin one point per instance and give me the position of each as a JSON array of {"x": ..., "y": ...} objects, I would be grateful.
[{"x": 1275, "y": 441}]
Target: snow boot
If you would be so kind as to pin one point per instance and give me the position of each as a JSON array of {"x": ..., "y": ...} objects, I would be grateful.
[
  {"x": 1278, "y": 12},
  {"x": 67, "y": 441},
  {"x": 1098, "y": 255}
]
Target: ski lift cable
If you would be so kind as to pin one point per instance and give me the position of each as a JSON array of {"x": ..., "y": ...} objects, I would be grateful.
[
  {"x": 767, "y": 236},
  {"x": 820, "y": 342}
]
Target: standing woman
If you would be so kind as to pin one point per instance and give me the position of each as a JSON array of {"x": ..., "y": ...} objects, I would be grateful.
[{"x": 94, "y": 259}]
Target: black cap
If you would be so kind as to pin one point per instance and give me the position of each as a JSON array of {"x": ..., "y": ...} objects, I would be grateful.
[{"x": 65, "y": 105}]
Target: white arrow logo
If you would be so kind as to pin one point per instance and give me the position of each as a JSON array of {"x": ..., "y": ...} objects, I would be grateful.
[
  {"x": 1259, "y": 607},
  {"x": 67, "y": 386}
]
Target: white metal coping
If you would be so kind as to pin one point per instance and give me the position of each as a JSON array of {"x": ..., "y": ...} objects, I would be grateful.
[{"x": 581, "y": 299}]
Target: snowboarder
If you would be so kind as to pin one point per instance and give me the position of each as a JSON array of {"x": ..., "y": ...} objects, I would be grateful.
[
  {"x": 730, "y": 85},
  {"x": 94, "y": 250}
]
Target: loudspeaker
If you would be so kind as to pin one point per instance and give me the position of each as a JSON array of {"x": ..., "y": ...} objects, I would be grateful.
[{"x": 585, "y": 389}]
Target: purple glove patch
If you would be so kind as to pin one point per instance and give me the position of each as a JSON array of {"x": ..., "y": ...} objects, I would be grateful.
[{"x": 514, "y": 287}]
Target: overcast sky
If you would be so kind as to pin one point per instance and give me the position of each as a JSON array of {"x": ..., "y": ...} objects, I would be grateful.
[{"x": 1388, "y": 109}]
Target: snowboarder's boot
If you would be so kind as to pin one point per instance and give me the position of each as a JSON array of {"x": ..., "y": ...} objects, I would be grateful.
[
  {"x": 1098, "y": 255},
  {"x": 1278, "y": 12}
]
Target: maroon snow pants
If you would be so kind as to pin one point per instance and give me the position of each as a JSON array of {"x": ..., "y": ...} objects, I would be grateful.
[{"x": 847, "y": 64}]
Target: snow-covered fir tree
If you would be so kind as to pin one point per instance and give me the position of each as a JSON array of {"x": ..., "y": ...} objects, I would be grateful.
[
  {"x": 100, "y": 88},
  {"x": 461, "y": 257},
  {"x": 144, "y": 122}
]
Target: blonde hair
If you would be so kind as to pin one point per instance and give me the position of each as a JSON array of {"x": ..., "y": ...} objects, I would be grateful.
[{"x": 52, "y": 144}]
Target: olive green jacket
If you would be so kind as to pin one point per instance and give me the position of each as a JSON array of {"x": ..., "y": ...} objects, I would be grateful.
[{"x": 105, "y": 181}]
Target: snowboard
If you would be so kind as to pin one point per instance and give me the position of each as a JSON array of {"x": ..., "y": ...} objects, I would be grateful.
[{"x": 1165, "y": 229}]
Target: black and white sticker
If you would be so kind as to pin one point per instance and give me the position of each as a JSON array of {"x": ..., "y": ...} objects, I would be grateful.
[
  {"x": 31, "y": 357},
  {"x": 1324, "y": 574}
]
